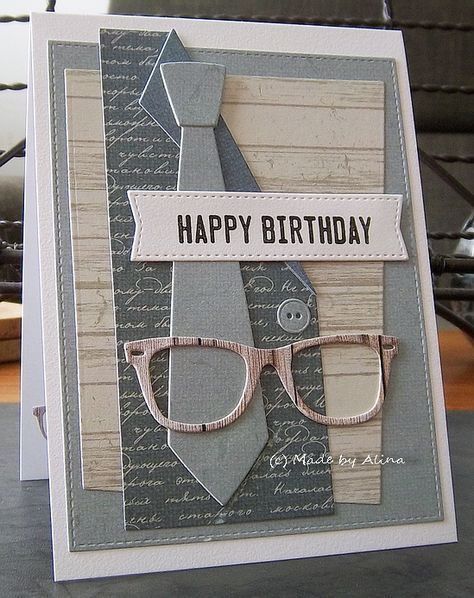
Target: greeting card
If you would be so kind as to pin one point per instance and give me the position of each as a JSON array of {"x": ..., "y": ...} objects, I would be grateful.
[{"x": 240, "y": 348}]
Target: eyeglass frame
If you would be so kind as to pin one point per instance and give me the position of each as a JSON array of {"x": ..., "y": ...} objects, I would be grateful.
[{"x": 138, "y": 353}]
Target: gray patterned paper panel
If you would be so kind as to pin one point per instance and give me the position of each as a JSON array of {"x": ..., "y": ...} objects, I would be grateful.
[{"x": 159, "y": 492}]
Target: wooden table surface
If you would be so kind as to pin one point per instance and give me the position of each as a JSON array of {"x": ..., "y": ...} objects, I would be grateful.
[{"x": 457, "y": 361}]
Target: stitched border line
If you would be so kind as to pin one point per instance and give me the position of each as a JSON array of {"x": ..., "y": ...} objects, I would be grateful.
[
  {"x": 263, "y": 532},
  {"x": 65, "y": 388},
  {"x": 418, "y": 297}
]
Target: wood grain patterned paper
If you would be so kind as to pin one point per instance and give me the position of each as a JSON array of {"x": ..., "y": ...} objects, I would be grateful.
[
  {"x": 359, "y": 170},
  {"x": 96, "y": 352},
  {"x": 333, "y": 142}
]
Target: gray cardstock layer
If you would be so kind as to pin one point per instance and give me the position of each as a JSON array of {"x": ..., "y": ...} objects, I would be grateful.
[
  {"x": 159, "y": 491},
  {"x": 411, "y": 492}
]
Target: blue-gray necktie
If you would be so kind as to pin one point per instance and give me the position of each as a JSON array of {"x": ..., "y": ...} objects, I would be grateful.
[{"x": 208, "y": 300}]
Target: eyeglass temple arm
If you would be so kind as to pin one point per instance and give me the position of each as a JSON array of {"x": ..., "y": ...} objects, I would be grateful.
[
  {"x": 39, "y": 413},
  {"x": 388, "y": 350}
]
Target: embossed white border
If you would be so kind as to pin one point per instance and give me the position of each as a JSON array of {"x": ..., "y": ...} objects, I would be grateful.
[{"x": 236, "y": 36}]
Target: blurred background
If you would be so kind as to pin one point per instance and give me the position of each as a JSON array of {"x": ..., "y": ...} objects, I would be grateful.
[
  {"x": 439, "y": 39},
  {"x": 13, "y": 66}
]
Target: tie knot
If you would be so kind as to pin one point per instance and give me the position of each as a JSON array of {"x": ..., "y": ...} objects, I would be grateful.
[{"x": 194, "y": 91}]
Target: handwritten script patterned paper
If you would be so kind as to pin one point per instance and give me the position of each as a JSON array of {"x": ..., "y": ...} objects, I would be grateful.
[{"x": 158, "y": 490}]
